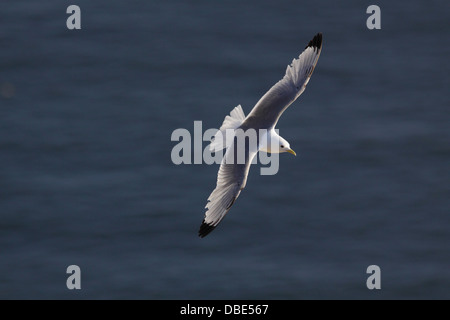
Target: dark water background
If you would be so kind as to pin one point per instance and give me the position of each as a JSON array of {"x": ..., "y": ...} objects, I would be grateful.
[{"x": 86, "y": 176}]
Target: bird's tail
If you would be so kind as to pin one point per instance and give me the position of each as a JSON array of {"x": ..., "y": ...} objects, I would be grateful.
[{"x": 231, "y": 122}]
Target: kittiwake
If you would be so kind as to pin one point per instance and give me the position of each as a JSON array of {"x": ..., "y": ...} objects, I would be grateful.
[{"x": 232, "y": 175}]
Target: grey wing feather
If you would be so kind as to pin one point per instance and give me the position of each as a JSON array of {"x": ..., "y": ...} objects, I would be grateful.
[
  {"x": 231, "y": 179},
  {"x": 270, "y": 107}
]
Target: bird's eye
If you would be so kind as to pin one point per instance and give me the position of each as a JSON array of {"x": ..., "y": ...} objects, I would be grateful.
[{"x": 282, "y": 146}]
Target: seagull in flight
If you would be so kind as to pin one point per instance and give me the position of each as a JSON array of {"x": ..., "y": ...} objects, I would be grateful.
[{"x": 232, "y": 175}]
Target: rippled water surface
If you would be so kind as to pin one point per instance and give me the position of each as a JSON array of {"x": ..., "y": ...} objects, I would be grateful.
[{"x": 86, "y": 176}]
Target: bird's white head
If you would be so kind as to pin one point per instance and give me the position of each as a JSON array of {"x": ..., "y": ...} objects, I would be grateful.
[
  {"x": 284, "y": 146},
  {"x": 276, "y": 144}
]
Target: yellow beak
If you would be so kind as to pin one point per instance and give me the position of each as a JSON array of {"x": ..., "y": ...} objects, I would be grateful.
[{"x": 291, "y": 152}]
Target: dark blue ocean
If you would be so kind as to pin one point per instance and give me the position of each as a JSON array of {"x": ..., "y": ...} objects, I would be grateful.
[{"x": 87, "y": 179}]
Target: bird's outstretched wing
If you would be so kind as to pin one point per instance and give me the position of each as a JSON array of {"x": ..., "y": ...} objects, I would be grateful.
[
  {"x": 270, "y": 107},
  {"x": 231, "y": 179}
]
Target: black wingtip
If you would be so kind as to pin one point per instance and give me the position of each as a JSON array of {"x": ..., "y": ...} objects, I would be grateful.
[
  {"x": 316, "y": 42},
  {"x": 205, "y": 229}
]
